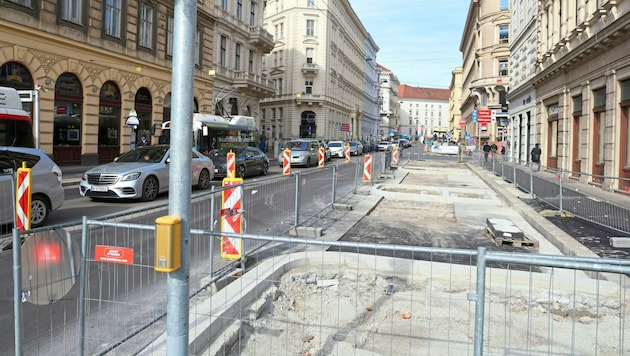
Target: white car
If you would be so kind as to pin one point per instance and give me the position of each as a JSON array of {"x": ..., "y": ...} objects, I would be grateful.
[
  {"x": 384, "y": 146},
  {"x": 337, "y": 148},
  {"x": 46, "y": 189},
  {"x": 141, "y": 173}
]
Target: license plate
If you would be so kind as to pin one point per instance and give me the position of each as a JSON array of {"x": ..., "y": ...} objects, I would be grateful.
[{"x": 96, "y": 188}]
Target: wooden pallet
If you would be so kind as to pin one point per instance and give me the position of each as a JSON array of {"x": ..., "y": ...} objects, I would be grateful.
[{"x": 525, "y": 241}]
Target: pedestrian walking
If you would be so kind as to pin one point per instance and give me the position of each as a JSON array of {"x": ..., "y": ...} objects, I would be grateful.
[
  {"x": 493, "y": 148},
  {"x": 536, "y": 152},
  {"x": 486, "y": 150}
]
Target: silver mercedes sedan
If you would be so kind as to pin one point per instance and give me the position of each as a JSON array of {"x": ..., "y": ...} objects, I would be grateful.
[{"x": 141, "y": 173}]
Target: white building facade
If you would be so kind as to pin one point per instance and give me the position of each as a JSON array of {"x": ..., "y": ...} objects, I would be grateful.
[
  {"x": 522, "y": 95},
  {"x": 323, "y": 65},
  {"x": 389, "y": 103},
  {"x": 424, "y": 113}
]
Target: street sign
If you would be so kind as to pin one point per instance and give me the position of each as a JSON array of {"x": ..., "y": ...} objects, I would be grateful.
[
  {"x": 462, "y": 122},
  {"x": 484, "y": 115},
  {"x": 113, "y": 254}
]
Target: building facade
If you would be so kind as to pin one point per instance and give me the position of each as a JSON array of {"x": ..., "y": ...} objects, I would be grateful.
[
  {"x": 485, "y": 69},
  {"x": 424, "y": 113},
  {"x": 389, "y": 103},
  {"x": 582, "y": 88},
  {"x": 322, "y": 63},
  {"x": 97, "y": 63},
  {"x": 455, "y": 123},
  {"x": 239, "y": 43},
  {"x": 524, "y": 54}
]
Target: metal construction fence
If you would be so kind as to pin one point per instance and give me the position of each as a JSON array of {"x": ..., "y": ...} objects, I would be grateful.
[
  {"x": 49, "y": 294},
  {"x": 289, "y": 296},
  {"x": 302, "y": 296},
  {"x": 576, "y": 193}
]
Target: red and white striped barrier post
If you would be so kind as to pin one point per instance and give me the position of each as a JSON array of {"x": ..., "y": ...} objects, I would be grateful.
[
  {"x": 286, "y": 162},
  {"x": 322, "y": 156},
  {"x": 230, "y": 165},
  {"x": 395, "y": 155},
  {"x": 231, "y": 221},
  {"x": 347, "y": 152},
  {"x": 367, "y": 168},
  {"x": 23, "y": 198}
]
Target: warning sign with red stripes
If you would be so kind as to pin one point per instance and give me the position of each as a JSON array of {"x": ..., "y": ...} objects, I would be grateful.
[
  {"x": 231, "y": 220},
  {"x": 23, "y": 199}
]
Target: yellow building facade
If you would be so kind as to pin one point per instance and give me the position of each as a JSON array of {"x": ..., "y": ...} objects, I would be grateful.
[{"x": 94, "y": 65}]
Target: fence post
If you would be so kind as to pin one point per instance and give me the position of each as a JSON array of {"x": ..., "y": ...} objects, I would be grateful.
[
  {"x": 357, "y": 171},
  {"x": 514, "y": 168},
  {"x": 17, "y": 291},
  {"x": 531, "y": 178},
  {"x": 212, "y": 222},
  {"x": 480, "y": 300},
  {"x": 334, "y": 183},
  {"x": 82, "y": 285},
  {"x": 297, "y": 199},
  {"x": 560, "y": 193}
]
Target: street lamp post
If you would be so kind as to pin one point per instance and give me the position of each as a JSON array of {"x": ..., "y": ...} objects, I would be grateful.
[{"x": 133, "y": 122}]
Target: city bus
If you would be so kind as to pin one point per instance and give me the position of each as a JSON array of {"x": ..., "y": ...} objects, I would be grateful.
[
  {"x": 16, "y": 127},
  {"x": 212, "y": 132}
]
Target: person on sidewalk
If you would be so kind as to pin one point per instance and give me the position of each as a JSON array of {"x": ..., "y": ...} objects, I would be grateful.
[
  {"x": 536, "y": 152},
  {"x": 486, "y": 150},
  {"x": 494, "y": 149}
]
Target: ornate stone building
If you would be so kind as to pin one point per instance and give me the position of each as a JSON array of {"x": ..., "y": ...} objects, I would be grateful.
[
  {"x": 324, "y": 68},
  {"x": 97, "y": 62}
]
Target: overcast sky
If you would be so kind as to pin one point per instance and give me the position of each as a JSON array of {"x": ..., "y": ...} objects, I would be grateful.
[{"x": 418, "y": 39}]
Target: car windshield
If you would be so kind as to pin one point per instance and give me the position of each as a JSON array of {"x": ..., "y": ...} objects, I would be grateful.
[
  {"x": 297, "y": 145},
  {"x": 353, "y": 143},
  {"x": 224, "y": 151},
  {"x": 334, "y": 144},
  {"x": 151, "y": 154}
]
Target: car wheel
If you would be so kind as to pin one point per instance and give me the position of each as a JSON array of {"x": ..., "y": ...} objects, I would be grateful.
[
  {"x": 308, "y": 162},
  {"x": 241, "y": 172},
  {"x": 150, "y": 189},
  {"x": 204, "y": 180},
  {"x": 39, "y": 211},
  {"x": 265, "y": 169}
]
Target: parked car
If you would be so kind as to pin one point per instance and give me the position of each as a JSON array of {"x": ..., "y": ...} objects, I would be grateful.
[
  {"x": 399, "y": 144},
  {"x": 141, "y": 173},
  {"x": 248, "y": 161},
  {"x": 46, "y": 189},
  {"x": 303, "y": 152},
  {"x": 405, "y": 143},
  {"x": 327, "y": 154},
  {"x": 336, "y": 148},
  {"x": 384, "y": 146},
  {"x": 356, "y": 148},
  {"x": 373, "y": 146}
]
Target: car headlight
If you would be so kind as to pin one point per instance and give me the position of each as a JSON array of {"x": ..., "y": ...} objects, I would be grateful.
[{"x": 130, "y": 176}]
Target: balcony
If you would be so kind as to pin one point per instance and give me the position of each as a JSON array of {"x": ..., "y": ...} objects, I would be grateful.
[
  {"x": 260, "y": 38},
  {"x": 257, "y": 85},
  {"x": 310, "y": 68},
  {"x": 309, "y": 99}
]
